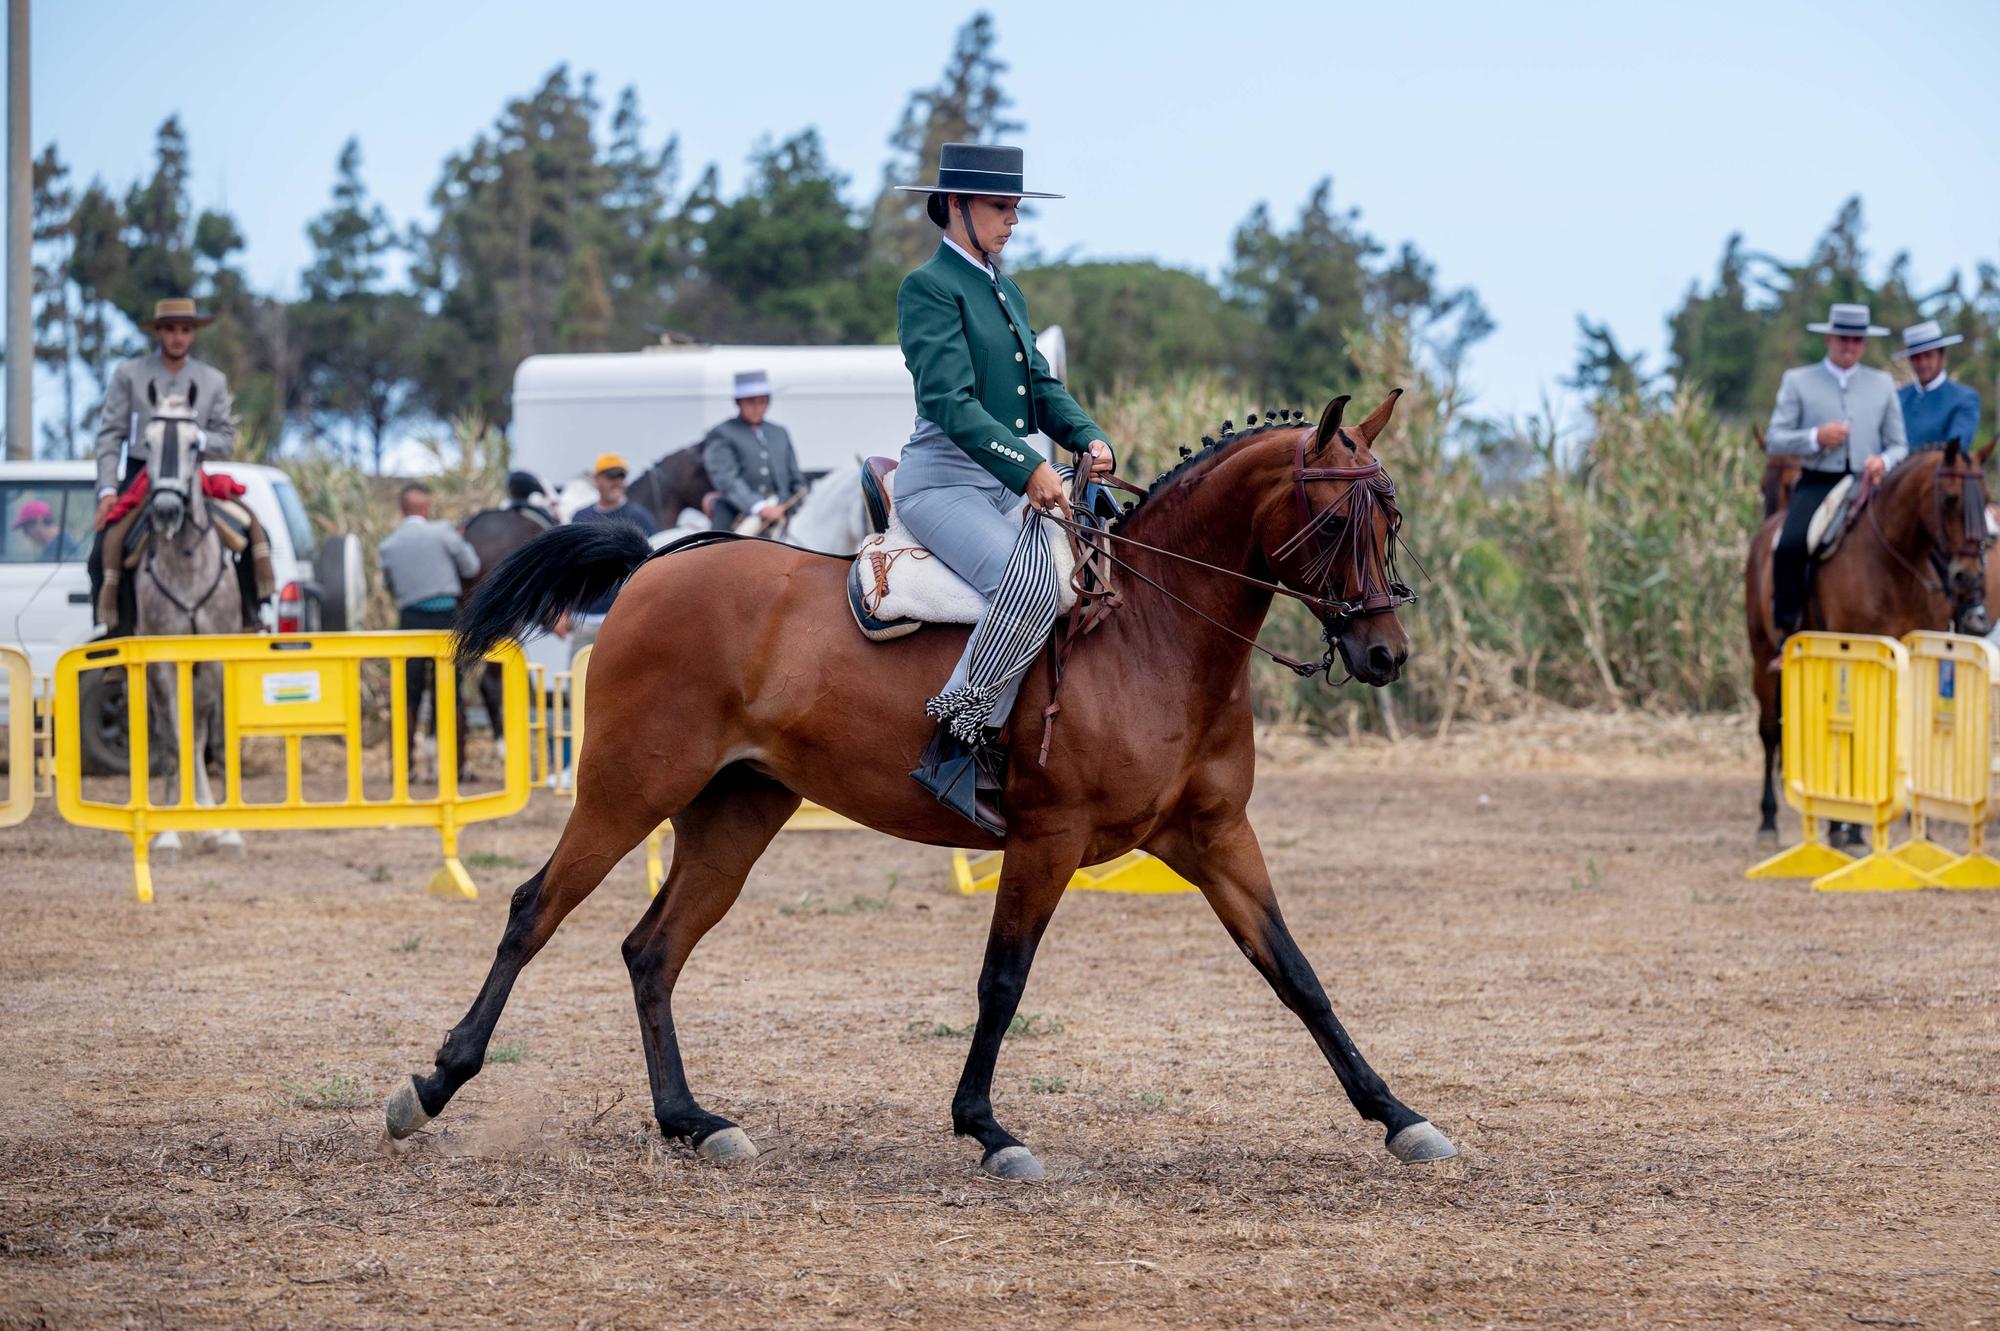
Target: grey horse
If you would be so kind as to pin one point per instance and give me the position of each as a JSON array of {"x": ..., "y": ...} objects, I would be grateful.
[{"x": 186, "y": 584}]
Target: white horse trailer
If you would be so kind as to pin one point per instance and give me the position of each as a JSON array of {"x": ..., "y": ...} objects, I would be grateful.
[{"x": 839, "y": 403}]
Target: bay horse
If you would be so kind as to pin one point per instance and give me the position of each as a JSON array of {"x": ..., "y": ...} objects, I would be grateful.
[
  {"x": 493, "y": 534},
  {"x": 186, "y": 583},
  {"x": 1781, "y": 477},
  {"x": 676, "y": 481},
  {"x": 1914, "y": 557},
  {"x": 729, "y": 682}
]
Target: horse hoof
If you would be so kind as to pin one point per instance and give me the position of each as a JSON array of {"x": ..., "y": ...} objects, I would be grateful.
[
  {"x": 729, "y": 1146},
  {"x": 1420, "y": 1143},
  {"x": 230, "y": 844},
  {"x": 404, "y": 1112},
  {"x": 1017, "y": 1164},
  {"x": 167, "y": 852}
]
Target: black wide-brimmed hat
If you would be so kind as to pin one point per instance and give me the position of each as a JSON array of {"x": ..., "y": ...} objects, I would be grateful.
[{"x": 979, "y": 168}]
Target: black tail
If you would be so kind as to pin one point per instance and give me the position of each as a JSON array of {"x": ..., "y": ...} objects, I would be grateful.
[{"x": 548, "y": 577}]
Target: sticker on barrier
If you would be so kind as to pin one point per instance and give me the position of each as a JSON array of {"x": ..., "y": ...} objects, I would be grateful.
[
  {"x": 287, "y": 689},
  {"x": 1846, "y": 717},
  {"x": 23, "y": 726},
  {"x": 1952, "y": 682}
]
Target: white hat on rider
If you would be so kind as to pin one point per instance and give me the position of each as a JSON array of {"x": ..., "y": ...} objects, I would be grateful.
[
  {"x": 1848, "y": 321},
  {"x": 752, "y": 383},
  {"x": 1926, "y": 336}
]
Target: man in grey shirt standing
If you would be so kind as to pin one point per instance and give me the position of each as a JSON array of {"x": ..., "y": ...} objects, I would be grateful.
[
  {"x": 1842, "y": 417},
  {"x": 424, "y": 565}
]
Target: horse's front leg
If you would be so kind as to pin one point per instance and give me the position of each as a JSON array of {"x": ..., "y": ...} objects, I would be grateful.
[
  {"x": 1227, "y": 865},
  {"x": 163, "y": 752},
  {"x": 207, "y": 721},
  {"x": 1032, "y": 879}
]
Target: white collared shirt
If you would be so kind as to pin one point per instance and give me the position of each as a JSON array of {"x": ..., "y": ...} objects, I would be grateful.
[
  {"x": 1936, "y": 383},
  {"x": 966, "y": 255},
  {"x": 1843, "y": 376}
]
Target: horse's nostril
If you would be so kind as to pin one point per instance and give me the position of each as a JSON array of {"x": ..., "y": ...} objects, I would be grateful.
[{"x": 1381, "y": 661}]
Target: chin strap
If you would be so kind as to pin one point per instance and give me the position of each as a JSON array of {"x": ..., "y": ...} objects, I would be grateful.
[{"x": 971, "y": 234}]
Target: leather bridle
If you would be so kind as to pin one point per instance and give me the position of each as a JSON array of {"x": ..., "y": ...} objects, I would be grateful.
[
  {"x": 1379, "y": 590},
  {"x": 1970, "y": 542}
]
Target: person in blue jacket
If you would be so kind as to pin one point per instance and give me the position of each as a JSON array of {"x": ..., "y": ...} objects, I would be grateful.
[{"x": 1935, "y": 409}]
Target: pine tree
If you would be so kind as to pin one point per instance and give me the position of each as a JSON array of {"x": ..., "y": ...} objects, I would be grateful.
[
  {"x": 55, "y": 313},
  {"x": 355, "y": 339},
  {"x": 966, "y": 106}
]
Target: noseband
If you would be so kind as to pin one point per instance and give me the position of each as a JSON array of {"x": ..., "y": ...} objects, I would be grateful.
[
  {"x": 1379, "y": 589},
  {"x": 1369, "y": 491},
  {"x": 1970, "y": 542}
]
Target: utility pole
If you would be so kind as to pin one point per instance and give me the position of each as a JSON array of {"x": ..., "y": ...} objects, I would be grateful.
[{"x": 20, "y": 243}]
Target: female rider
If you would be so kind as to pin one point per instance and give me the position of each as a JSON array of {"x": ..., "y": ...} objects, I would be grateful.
[{"x": 971, "y": 485}]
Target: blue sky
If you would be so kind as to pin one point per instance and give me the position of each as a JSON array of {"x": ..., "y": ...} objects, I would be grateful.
[{"x": 1562, "y": 158}]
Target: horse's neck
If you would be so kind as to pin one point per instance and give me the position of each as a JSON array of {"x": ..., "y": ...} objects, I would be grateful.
[{"x": 1173, "y": 638}]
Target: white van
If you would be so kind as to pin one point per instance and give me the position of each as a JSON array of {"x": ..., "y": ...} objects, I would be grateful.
[
  {"x": 838, "y": 403},
  {"x": 45, "y": 590},
  {"x": 45, "y": 587}
]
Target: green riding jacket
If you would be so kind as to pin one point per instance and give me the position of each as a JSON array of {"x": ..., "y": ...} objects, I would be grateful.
[{"x": 971, "y": 351}]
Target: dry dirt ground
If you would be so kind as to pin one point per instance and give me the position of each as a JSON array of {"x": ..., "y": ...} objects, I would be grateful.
[{"x": 1684, "y": 1099}]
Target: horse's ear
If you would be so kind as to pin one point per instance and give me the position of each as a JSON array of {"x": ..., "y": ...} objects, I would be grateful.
[
  {"x": 1984, "y": 455},
  {"x": 1757, "y": 433},
  {"x": 1951, "y": 452},
  {"x": 152, "y": 392},
  {"x": 1380, "y": 416},
  {"x": 1329, "y": 424},
  {"x": 192, "y": 390}
]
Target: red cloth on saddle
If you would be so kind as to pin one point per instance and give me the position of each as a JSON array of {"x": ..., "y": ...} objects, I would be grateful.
[{"x": 214, "y": 486}]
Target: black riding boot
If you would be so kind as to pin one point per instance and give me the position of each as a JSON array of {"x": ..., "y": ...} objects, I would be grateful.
[{"x": 965, "y": 779}]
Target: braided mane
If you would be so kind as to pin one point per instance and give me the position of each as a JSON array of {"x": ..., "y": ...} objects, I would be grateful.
[{"x": 1213, "y": 446}]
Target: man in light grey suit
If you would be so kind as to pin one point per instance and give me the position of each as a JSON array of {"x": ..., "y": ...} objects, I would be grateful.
[
  {"x": 1842, "y": 417},
  {"x": 750, "y": 459}
]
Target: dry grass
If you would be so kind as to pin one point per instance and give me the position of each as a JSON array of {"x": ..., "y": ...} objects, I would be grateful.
[{"x": 1684, "y": 1099}]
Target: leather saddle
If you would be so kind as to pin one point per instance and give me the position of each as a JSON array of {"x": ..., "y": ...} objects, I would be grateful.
[{"x": 878, "y": 499}]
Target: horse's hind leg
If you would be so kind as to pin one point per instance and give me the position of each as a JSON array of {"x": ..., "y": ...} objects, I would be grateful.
[
  {"x": 1226, "y": 864},
  {"x": 600, "y": 831},
  {"x": 717, "y": 839}
]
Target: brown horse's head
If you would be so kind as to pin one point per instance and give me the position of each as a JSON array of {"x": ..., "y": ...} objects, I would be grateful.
[
  {"x": 1930, "y": 518},
  {"x": 1331, "y": 535},
  {"x": 1961, "y": 535}
]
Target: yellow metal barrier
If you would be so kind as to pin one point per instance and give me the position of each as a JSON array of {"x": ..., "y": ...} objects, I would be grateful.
[
  {"x": 566, "y": 722},
  {"x": 1952, "y": 683},
  {"x": 287, "y": 687},
  {"x": 1846, "y": 755},
  {"x": 22, "y": 724},
  {"x": 45, "y": 737},
  {"x": 1134, "y": 871},
  {"x": 538, "y": 726}
]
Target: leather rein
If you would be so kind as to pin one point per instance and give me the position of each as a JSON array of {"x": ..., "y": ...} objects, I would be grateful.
[
  {"x": 1972, "y": 539},
  {"x": 1381, "y": 592}
]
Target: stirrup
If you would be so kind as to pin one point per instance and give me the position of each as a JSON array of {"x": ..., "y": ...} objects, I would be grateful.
[{"x": 950, "y": 769}]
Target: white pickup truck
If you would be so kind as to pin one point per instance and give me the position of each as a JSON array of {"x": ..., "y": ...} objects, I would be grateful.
[{"x": 45, "y": 588}]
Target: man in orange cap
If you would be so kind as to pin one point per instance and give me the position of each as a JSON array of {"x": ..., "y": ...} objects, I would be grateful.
[{"x": 610, "y": 476}]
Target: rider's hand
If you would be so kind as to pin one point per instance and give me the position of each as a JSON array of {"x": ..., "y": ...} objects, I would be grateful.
[
  {"x": 1872, "y": 469},
  {"x": 103, "y": 510},
  {"x": 771, "y": 512},
  {"x": 1045, "y": 491},
  {"x": 1100, "y": 458},
  {"x": 1832, "y": 434}
]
